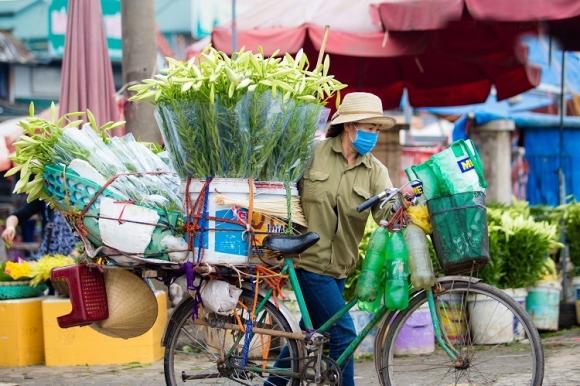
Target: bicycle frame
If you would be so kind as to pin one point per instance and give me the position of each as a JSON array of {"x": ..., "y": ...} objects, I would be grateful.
[{"x": 288, "y": 268}]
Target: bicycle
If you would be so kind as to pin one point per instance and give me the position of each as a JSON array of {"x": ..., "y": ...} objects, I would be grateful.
[{"x": 214, "y": 346}]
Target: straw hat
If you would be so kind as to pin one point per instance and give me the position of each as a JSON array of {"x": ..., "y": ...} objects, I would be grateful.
[
  {"x": 362, "y": 107},
  {"x": 132, "y": 305}
]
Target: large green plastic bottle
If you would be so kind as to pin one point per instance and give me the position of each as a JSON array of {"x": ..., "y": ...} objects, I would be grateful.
[
  {"x": 422, "y": 275},
  {"x": 369, "y": 286},
  {"x": 396, "y": 272}
]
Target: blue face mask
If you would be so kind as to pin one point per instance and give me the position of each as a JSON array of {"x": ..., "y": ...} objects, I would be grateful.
[{"x": 365, "y": 141}]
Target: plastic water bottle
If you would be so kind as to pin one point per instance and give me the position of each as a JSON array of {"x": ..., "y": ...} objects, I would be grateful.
[
  {"x": 422, "y": 275},
  {"x": 369, "y": 285},
  {"x": 371, "y": 307},
  {"x": 396, "y": 273}
]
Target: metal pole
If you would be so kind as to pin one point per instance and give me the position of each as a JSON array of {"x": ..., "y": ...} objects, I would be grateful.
[
  {"x": 234, "y": 28},
  {"x": 562, "y": 187},
  {"x": 564, "y": 255}
]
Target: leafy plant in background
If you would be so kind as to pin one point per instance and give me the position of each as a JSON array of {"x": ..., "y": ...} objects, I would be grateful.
[
  {"x": 570, "y": 213},
  {"x": 518, "y": 249},
  {"x": 572, "y": 222},
  {"x": 245, "y": 116}
]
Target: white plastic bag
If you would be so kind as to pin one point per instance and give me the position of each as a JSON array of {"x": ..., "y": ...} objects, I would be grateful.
[{"x": 219, "y": 296}]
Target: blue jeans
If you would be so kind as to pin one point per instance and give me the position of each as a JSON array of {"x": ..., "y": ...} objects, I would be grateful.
[{"x": 323, "y": 296}]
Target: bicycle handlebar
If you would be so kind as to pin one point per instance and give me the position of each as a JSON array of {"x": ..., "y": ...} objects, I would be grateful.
[
  {"x": 385, "y": 195},
  {"x": 368, "y": 203}
]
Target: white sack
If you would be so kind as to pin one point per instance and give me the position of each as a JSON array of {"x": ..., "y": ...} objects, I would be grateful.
[
  {"x": 179, "y": 247},
  {"x": 126, "y": 235}
]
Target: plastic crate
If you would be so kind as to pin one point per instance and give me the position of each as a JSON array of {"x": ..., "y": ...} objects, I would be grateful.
[
  {"x": 87, "y": 294},
  {"x": 79, "y": 191}
]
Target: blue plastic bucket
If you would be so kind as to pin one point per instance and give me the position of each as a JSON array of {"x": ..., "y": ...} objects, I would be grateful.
[{"x": 543, "y": 305}]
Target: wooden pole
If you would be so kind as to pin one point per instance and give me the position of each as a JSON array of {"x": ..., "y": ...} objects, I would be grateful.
[{"x": 322, "y": 46}]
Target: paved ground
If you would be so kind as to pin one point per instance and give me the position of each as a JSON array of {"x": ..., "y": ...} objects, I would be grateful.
[{"x": 562, "y": 369}]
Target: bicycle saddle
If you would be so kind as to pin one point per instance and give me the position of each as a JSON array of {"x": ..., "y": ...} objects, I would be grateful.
[{"x": 290, "y": 244}]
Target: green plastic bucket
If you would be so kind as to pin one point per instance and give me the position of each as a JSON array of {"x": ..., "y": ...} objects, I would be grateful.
[{"x": 460, "y": 233}]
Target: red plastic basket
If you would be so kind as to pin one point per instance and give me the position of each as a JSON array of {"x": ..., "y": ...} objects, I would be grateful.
[{"x": 87, "y": 294}]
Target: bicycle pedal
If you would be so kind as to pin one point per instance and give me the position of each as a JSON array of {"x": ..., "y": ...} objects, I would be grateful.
[{"x": 316, "y": 338}]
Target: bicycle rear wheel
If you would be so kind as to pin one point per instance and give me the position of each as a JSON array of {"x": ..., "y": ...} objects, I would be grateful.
[
  {"x": 496, "y": 341},
  {"x": 202, "y": 355}
]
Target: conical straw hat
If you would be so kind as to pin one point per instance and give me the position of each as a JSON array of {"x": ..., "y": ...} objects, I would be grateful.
[
  {"x": 362, "y": 107},
  {"x": 132, "y": 305}
]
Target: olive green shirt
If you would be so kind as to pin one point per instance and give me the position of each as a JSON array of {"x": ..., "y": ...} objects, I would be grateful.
[{"x": 330, "y": 192}]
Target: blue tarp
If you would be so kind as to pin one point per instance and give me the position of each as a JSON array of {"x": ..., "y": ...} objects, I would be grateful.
[{"x": 542, "y": 153}]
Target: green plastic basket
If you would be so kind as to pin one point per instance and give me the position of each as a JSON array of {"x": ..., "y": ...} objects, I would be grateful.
[
  {"x": 79, "y": 191},
  {"x": 460, "y": 234},
  {"x": 20, "y": 290}
]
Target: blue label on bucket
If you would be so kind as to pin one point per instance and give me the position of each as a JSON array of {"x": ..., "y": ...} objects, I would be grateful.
[
  {"x": 229, "y": 238},
  {"x": 465, "y": 165}
]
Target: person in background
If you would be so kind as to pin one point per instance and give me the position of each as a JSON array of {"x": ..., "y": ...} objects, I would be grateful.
[
  {"x": 57, "y": 236},
  {"x": 341, "y": 174}
]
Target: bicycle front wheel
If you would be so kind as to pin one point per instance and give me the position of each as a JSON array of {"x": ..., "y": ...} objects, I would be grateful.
[
  {"x": 494, "y": 339},
  {"x": 202, "y": 355}
]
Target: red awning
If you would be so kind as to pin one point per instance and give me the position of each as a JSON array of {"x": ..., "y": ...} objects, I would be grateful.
[
  {"x": 290, "y": 39},
  {"x": 560, "y": 18}
]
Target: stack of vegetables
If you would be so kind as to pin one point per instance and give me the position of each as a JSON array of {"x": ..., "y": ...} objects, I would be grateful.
[
  {"x": 76, "y": 168},
  {"x": 240, "y": 117}
]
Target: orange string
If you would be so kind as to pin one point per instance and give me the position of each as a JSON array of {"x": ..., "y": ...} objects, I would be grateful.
[
  {"x": 257, "y": 289},
  {"x": 242, "y": 327}
]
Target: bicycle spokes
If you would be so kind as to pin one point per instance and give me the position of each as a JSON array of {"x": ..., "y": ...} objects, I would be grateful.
[{"x": 485, "y": 338}]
